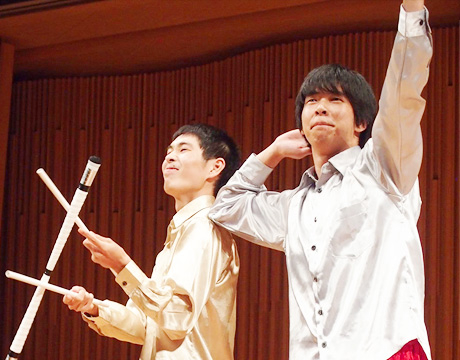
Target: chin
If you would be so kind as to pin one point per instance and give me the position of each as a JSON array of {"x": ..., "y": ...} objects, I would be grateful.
[{"x": 168, "y": 190}]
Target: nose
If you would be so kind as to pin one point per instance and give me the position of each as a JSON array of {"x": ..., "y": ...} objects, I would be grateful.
[
  {"x": 170, "y": 157},
  {"x": 320, "y": 109}
]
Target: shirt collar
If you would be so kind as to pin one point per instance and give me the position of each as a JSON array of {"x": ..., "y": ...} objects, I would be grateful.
[
  {"x": 192, "y": 208},
  {"x": 340, "y": 162},
  {"x": 345, "y": 159}
]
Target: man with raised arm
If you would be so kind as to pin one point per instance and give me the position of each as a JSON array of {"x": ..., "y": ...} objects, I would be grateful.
[
  {"x": 187, "y": 308},
  {"x": 353, "y": 253}
]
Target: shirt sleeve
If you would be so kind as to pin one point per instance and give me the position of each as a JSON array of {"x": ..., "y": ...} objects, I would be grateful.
[
  {"x": 397, "y": 136},
  {"x": 247, "y": 209},
  {"x": 125, "y": 323},
  {"x": 177, "y": 302}
]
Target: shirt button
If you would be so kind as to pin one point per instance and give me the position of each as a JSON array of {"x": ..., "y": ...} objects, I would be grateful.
[
  {"x": 314, "y": 219},
  {"x": 319, "y": 190},
  {"x": 315, "y": 279},
  {"x": 313, "y": 247},
  {"x": 124, "y": 283},
  {"x": 320, "y": 312},
  {"x": 324, "y": 345},
  {"x": 421, "y": 22}
]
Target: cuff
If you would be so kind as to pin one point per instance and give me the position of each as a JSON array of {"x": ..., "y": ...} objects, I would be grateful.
[
  {"x": 103, "y": 317},
  {"x": 413, "y": 23},
  {"x": 130, "y": 277},
  {"x": 255, "y": 171}
]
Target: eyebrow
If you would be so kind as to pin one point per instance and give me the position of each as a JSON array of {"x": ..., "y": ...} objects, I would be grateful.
[{"x": 170, "y": 147}]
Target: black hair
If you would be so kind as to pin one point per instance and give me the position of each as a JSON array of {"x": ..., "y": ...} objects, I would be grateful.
[
  {"x": 339, "y": 80},
  {"x": 216, "y": 143}
]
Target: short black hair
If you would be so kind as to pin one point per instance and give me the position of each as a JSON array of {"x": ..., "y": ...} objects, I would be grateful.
[
  {"x": 216, "y": 143},
  {"x": 340, "y": 80}
]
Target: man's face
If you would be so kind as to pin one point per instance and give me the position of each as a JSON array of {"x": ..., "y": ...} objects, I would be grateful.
[
  {"x": 328, "y": 122},
  {"x": 185, "y": 171}
]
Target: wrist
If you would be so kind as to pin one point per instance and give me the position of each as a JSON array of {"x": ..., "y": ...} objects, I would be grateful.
[
  {"x": 124, "y": 260},
  {"x": 413, "y": 5},
  {"x": 94, "y": 312},
  {"x": 271, "y": 156}
]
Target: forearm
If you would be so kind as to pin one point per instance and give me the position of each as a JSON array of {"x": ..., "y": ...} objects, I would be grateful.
[
  {"x": 171, "y": 312},
  {"x": 125, "y": 323},
  {"x": 291, "y": 144},
  {"x": 413, "y": 5},
  {"x": 143, "y": 291},
  {"x": 270, "y": 156},
  {"x": 247, "y": 209},
  {"x": 396, "y": 134}
]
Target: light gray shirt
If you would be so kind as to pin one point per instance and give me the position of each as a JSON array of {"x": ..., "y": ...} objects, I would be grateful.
[{"x": 353, "y": 253}]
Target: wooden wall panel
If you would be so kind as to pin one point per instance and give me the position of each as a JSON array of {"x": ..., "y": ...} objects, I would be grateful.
[
  {"x": 128, "y": 121},
  {"x": 6, "y": 81}
]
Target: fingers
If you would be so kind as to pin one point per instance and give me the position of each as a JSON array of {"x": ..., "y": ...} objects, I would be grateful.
[
  {"x": 83, "y": 232},
  {"x": 79, "y": 300},
  {"x": 91, "y": 246},
  {"x": 95, "y": 243},
  {"x": 93, "y": 237},
  {"x": 97, "y": 255}
]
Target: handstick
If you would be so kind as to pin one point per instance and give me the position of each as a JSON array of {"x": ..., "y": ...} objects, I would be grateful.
[
  {"x": 29, "y": 280},
  {"x": 57, "y": 194},
  {"x": 75, "y": 206}
]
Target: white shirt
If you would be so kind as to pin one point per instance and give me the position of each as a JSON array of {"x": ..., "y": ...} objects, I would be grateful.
[{"x": 353, "y": 253}]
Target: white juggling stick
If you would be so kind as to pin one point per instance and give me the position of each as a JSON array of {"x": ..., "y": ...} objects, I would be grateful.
[
  {"x": 75, "y": 206},
  {"x": 57, "y": 194},
  {"x": 31, "y": 281}
]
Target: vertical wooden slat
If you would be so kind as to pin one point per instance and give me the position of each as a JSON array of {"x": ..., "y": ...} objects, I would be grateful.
[{"x": 6, "y": 82}]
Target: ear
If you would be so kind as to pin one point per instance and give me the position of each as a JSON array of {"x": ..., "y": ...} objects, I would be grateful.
[
  {"x": 360, "y": 128},
  {"x": 216, "y": 167}
]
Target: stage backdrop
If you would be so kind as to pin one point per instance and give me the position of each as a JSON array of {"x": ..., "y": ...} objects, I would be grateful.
[{"x": 128, "y": 120}]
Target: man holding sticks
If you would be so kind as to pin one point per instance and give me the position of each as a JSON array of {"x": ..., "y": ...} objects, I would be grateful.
[{"x": 187, "y": 308}]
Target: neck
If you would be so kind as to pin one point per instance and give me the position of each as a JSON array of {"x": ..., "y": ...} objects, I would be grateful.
[
  {"x": 321, "y": 155},
  {"x": 319, "y": 159},
  {"x": 184, "y": 199}
]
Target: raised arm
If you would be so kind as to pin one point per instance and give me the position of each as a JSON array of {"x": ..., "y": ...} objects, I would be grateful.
[{"x": 397, "y": 137}]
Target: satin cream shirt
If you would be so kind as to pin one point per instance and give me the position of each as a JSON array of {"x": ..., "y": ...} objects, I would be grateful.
[
  {"x": 353, "y": 253},
  {"x": 187, "y": 309}
]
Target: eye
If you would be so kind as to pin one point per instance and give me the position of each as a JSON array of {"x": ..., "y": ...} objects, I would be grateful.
[
  {"x": 309, "y": 100},
  {"x": 183, "y": 149}
]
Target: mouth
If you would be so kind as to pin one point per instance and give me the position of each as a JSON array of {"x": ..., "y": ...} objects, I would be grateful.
[
  {"x": 321, "y": 123},
  {"x": 170, "y": 170}
]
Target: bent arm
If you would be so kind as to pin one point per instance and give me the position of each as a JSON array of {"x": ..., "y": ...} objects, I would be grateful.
[
  {"x": 397, "y": 137},
  {"x": 247, "y": 209},
  {"x": 176, "y": 303}
]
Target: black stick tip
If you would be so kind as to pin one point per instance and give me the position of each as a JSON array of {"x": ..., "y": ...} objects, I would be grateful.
[{"x": 95, "y": 159}]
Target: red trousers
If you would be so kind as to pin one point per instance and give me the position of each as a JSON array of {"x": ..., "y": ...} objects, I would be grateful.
[{"x": 411, "y": 351}]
